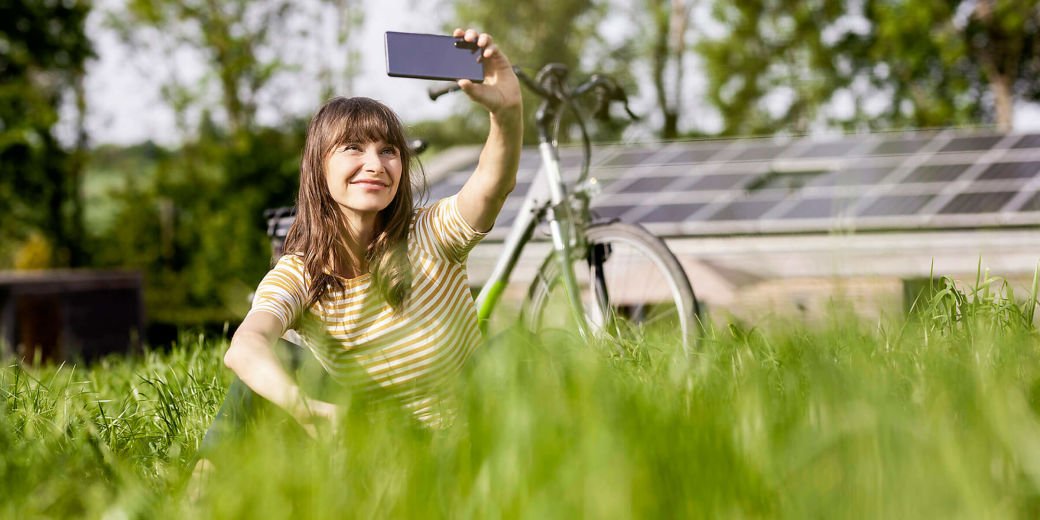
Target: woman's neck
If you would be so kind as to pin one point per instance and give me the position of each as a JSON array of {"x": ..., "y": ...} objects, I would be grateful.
[{"x": 361, "y": 231}]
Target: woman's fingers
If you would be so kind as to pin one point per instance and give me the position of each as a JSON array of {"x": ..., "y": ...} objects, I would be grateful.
[
  {"x": 483, "y": 40},
  {"x": 500, "y": 88}
]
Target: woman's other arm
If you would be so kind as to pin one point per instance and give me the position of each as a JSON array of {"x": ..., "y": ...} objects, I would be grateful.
[
  {"x": 251, "y": 356},
  {"x": 481, "y": 198}
]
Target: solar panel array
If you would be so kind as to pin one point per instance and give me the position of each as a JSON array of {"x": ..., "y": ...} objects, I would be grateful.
[{"x": 929, "y": 180}]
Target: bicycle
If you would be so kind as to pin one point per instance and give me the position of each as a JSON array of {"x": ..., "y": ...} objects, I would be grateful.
[
  {"x": 599, "y": 253},
  {"x": 592, "y": 259}
]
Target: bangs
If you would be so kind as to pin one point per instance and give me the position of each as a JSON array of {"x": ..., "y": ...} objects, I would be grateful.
[{"x": 366, "y": 121}]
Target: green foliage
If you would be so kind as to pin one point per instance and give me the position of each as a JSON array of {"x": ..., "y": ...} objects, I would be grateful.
[
  {"x": 74, "y": 439},
  {"x": 43, "y": 48},
  {"x": 901, "y": 63},
  {"x": 533, "y": 33},
  {"x": 907, "y": 419},
  {"x": 454, "y": 130},
  {"x": 538, "y": 32},
  {"x": 775, "y": 46},
  {"x": 239, "y": 39},
  {"x": 926, "y": 65},
  {"x": 989, "y": 306},
  {"x": 195, "y": 227}
]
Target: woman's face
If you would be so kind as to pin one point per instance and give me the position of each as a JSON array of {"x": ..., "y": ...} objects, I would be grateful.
[{"x": 363, "y": 177}]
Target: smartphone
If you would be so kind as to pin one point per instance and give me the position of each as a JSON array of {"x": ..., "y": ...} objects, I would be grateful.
[{"x": 432, "y": 56}]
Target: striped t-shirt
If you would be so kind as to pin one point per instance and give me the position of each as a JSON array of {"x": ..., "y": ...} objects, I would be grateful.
[{"x": 410, "y": 355}]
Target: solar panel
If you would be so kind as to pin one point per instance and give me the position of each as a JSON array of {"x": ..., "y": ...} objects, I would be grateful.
[
  {"x": 522, "y": 187},
  {"x": 759, "y": 152},
  {"x": 572, "y": 158},
  {"x": 1011, "y": 170},
  {"x": 611, "y": 211},
  {"x": 852, "y": 177},
  {"x": 972, "y": 144},
  {"x": 505, "y": 217},
  {"x": 1032, "y": 203},
  {"x": 442, "y": 190},
  {"x": 745, "y": 209},
  {"x": 694, "y": 155},
  {"x": 1028, "y": 141},
  {"x": 647, "y": 184},
  {"x": 899, "y": 146},
  {"x": 978, "y": 202},
  {"x": 631, "y": 158},
  {"x": 819, "y": 208},
  {"x": 530, "y": 159},
  {"x": 937, "y": 173},
  {"x": 447, "y": 187},
  {"x": 788, "y": 181},
  {"x": 720, "y": 181},
  {"x": 672, "y": 212},
  {"x": 896, "y": 205},
  {"x": 831, "y": 149},
  {"x": 880, "y": 181}
]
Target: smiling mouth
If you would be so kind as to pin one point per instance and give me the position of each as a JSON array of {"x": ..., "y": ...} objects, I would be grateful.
[{"x": 371, "y": 183}]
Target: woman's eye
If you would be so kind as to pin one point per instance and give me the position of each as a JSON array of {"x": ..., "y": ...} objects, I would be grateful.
[
  {"x": 390, "y": 151},
  {"x": 351, "y": 147}
]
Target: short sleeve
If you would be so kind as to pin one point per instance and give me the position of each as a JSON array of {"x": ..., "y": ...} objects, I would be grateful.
[
  {"x": 441, "y": 230},
  {"x": 282, "y": 292}
]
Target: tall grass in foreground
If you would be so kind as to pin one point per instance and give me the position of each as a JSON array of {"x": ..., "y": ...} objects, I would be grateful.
[{"x": 934, "y": 416}]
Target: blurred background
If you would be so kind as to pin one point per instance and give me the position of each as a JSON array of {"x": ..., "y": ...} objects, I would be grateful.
[{"x": 150, "y": 135}]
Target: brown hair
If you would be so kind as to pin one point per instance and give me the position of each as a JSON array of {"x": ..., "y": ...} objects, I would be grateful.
[{"x": 319, "y": 230}]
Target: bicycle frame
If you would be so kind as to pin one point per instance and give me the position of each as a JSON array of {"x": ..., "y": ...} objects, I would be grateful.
[{"x": 546, "y": 200}]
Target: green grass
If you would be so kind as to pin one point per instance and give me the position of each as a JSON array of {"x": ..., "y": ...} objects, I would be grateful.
[{"x": 934, "y": 416}]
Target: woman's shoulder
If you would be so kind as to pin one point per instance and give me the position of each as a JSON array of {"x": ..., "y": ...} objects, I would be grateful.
[
  {"x": 291, "y": 257},
  {"x": 419, "y": 213},
  {"x": 292, "y": 261},
  {"x": 432, "y": 206}
]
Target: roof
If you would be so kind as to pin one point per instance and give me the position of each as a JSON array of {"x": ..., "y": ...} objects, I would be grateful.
[{"x": 930, "y": 180}]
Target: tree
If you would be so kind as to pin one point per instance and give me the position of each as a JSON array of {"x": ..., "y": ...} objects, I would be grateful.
[
  {"x": 1002, "y": 37},
  {"x": 785, "y": 65},
  {"x": 44, "y": 51},
  {"x": 537, "y": 32},
  {"x": 671, "y": 20},
  {"x": 200, "y": 220},
  {"x": 774, "y": 48}
]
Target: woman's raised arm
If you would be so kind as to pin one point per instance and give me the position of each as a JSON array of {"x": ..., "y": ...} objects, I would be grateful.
[
  {"x": 481, "y": 198},
  {"x": 251, "y": 356}
]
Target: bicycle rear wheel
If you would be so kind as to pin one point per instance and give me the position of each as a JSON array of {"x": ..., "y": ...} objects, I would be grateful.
[{"x": 634, "y": 291}]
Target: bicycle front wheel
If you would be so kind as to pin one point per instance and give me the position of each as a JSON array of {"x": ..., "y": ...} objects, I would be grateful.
[{"x": 633, "y": 289}]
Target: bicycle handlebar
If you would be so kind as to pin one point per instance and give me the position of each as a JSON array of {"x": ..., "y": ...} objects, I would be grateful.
[{"x": 548, "y": 84}]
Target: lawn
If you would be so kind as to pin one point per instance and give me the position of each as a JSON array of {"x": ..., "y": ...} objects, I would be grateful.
[{"x": 933, "y": 415}]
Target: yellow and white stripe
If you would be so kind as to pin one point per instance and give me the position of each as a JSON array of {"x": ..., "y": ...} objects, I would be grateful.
[{"x": 409, "y": 356}]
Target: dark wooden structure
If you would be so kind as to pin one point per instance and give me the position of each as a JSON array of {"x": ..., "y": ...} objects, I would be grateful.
[{"x": 58, "y": 315}]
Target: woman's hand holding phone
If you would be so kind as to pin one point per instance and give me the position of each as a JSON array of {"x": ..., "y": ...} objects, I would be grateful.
[{"x": 500, "y": 91}]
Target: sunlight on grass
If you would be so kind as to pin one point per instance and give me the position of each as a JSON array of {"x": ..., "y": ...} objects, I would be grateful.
[{"x": 935, "y": 415}]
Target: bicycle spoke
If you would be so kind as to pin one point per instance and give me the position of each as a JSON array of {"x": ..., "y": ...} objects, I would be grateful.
[{"x": 632, "y": 289}]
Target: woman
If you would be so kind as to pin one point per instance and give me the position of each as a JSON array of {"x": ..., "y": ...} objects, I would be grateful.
[{"x": 384, "y": 282}]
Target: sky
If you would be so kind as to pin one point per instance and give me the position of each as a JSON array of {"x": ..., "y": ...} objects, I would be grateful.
[
  {"x": 125, "y": 105},
  {"x": 123, "y": 88}
]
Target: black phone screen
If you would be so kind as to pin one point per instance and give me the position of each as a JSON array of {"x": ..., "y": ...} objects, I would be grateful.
[{"x": 432, "y": 56}]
